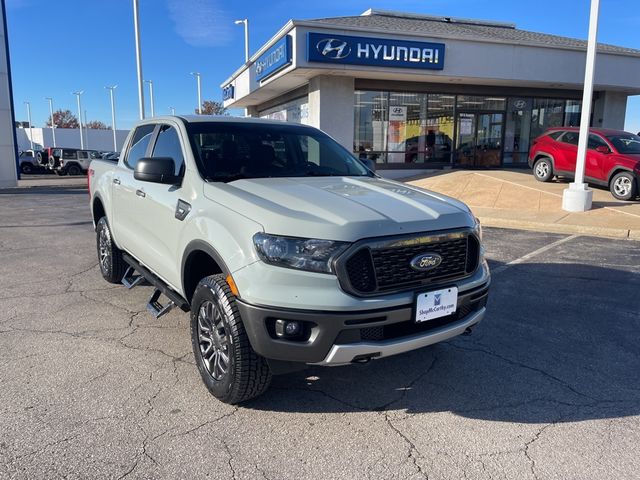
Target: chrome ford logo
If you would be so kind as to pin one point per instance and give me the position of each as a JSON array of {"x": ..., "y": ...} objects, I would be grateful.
[
  {"x": 333, "y": 48},
  {"x": 426, "y": 261}
]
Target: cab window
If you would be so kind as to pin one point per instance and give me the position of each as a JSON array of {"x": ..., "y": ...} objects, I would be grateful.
[
  {"x": 571, "y": 138},
  {"x": 139, "y": 144}
]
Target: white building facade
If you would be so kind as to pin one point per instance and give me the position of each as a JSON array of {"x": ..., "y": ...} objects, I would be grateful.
[{"x": 416, "y": 92}]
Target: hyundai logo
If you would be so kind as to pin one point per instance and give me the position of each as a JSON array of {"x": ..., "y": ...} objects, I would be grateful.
[
  {"x": 332, "y": 48},
  {"x": 426, "y": 261}
]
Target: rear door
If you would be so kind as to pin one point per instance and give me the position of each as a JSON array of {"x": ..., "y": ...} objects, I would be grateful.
[
  {"x": 126, "y": 202},
  {"x": 566, "y": 151}
]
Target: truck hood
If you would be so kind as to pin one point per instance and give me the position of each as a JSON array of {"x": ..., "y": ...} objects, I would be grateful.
[{"x": 339, "y": 208}]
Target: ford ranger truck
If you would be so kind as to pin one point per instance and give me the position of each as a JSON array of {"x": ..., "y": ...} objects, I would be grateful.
[{"x": 286, "y": 249}]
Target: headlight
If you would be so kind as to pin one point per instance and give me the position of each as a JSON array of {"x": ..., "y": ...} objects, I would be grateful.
[
  {"x": 300, "y": 253},
  {"x": 477, "y": 228}
]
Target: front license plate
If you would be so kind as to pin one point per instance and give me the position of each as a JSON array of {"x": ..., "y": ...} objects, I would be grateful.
[{"x": 436, "y": 304}]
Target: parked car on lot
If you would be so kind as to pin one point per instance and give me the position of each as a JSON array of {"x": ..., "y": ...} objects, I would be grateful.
[
  {"x": 613, "y": 158},
  {"x": 28, "y": 162},
  {"x": 112, "y": 156},
  {"x": 71, "y": 161},
  {"x": 286, "y": 249}
]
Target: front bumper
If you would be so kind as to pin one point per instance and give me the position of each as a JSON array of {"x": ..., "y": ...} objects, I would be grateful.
[{"x": 336, "y": 338}]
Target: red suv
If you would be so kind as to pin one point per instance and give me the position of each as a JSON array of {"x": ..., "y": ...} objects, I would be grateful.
[{"x": 613, "y": 158}]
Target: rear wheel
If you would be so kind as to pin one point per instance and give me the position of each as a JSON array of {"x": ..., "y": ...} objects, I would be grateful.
[
  {"x": 543, "y": 169},
  {"x": 624, "y": 186},
  {"x": 112, "y": 265},
  {"x": 26, "y": 168},
  {"x": 230, "y": 368},
  {"x": 74, "y": 170}
]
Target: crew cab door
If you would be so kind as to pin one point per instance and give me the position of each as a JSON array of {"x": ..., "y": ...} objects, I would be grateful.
[
  {"x": 567, "y": 151},
  {"x": 126, "y": 203},
  {"x": 156, "y": 209}
]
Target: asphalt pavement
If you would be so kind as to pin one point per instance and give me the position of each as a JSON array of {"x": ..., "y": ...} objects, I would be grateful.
[{"x": 92, "y": 386}]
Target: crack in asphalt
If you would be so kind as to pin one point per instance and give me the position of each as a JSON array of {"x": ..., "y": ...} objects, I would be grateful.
[{"x": 527, "y": 445}]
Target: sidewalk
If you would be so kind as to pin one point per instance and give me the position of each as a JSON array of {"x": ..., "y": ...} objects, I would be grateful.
[{"x": 514, "y": 199}]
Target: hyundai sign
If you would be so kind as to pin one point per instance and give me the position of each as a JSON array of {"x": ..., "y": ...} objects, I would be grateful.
[
  {"x": 228, "y": 92},
  {"x": 274, "y": 59},
  {"x": 330, "y": 48}
]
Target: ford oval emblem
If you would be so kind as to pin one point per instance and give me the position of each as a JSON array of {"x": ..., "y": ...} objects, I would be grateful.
[{"x": 426, "y": 261}]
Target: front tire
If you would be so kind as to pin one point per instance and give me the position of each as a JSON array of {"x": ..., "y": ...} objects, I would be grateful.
[
  {"x": 232, "y": 371},
  {"x": 26, "y": 168},
  {"x": 74, "y": 170},
  {"x": 543, "y": 169},
  {"x": 624, "y": 186},
  {"x": 112, "y": 265}
]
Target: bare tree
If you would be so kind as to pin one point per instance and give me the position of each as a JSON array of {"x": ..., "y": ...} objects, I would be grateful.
[
  {"x": 98, "y": 125},
  {"x": 213, "y": 107},
  {"x": 63, "y": 119}
]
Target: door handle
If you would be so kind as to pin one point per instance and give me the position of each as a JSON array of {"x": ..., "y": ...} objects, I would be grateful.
[
  {"x": 116, "y": 181},
  {"x": 140, "y": 193}
]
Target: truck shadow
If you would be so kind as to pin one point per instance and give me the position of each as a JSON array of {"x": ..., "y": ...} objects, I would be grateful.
[{"x": 559, "y": 343}]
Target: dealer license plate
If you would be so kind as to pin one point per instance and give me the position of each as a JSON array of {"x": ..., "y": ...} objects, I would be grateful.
[{"x": 436, "y": 304}]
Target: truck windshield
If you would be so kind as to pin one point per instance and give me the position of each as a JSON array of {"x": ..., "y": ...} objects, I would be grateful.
[{"x": 227, "y": 151}]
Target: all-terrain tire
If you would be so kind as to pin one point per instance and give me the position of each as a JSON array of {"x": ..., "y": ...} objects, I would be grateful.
[
  {"x": 217, "y": 332},
  {"x": 74, "y": 170},
  {"x": 112, "y": 265}
]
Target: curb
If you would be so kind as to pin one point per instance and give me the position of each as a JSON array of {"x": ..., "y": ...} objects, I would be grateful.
[{"x": 560, "y": 228}]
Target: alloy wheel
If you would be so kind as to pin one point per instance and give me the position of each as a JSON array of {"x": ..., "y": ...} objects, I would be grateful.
[
  {"x": 105, "y": 250},
  {"x": 622, "y": 186},
  {"x": 213, "y": 340},
  {"x": 542, "y": 169}
]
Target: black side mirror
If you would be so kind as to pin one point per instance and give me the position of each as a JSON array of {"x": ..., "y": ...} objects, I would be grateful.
[{"x": 156, "y": 170}]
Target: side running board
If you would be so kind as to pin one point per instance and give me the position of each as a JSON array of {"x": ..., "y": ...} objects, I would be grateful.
[{"x": 154, "y": 306}]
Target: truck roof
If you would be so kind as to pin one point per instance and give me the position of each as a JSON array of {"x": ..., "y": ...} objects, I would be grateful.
[{"x": 211, "y": 118}]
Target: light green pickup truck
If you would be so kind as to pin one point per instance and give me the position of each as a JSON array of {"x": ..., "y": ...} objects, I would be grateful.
[{"x": 286, "y": 249}]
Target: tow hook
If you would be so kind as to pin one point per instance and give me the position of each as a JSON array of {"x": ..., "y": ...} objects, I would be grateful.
[{"x": 467, "y": 331}]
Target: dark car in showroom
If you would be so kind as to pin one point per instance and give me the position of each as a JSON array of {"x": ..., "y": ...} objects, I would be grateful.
[{"x": 612, "y": 161}]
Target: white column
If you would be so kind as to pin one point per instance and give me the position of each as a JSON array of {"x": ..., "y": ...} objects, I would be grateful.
[
  {"x": 578, "y": 197},
  {"x": 331, "y": 107}
]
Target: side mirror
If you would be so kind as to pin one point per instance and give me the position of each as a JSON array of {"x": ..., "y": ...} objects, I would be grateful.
[
  {"x": 156, "y": 170},
  {"x": 370, "y": 164},
  {"x": 603, "y": 149}
]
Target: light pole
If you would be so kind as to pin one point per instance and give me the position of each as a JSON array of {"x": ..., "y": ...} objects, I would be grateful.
[
  {"x": 136, "y": 26},
  {"x": 150, "y": 82},
  {"x": 28, "y": 104},
  {"x": 77, "y": 94},
  {"x": 173, "y": 110},
  {"x": 53, "y": 126},
  {"x": 113, "y": 116},
  {"x": 578, "y": 197},
  {"x": 197, "y": 75},
  {"x": 246, "y": 37}
]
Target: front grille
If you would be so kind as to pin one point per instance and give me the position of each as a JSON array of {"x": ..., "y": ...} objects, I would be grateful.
[{"x": 384, "y": 266}]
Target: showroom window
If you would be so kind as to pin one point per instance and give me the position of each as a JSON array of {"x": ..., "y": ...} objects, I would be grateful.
[
  {"x": 296, "y": 111},
  {"x": 371, "y": 114}
]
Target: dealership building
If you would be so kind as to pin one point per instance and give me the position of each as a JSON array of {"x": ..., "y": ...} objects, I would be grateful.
[{"x": 416, "y": 92}]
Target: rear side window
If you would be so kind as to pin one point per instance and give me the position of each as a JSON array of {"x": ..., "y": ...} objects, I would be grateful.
[
  {"x": 168, "y": 145},
  {"x": 556, "y": 135},
  {"x": 69, "y": 154},
  {"x": 83, "y": 155},
  {"x": 139, "y": 144},
  {"x": 571, "y": 138}
]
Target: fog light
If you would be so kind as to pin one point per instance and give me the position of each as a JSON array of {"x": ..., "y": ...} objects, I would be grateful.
[{"x": 288, "y": 328}]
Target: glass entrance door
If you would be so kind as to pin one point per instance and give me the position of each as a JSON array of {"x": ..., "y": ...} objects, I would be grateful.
[{"x": 479, "y": 139}]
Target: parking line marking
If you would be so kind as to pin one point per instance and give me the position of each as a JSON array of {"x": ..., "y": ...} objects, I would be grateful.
[{"x": 535, "y": 253}]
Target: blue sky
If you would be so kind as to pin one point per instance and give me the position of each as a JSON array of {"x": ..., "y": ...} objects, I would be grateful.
[{"x": 65, "y": 45}]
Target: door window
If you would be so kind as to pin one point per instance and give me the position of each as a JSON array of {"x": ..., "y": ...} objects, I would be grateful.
[
  {"x": 595, "y": 141},
  {"x": 571, "y": 138},
  {"x": 139, "y": 144},
  {"x": 83, "y": 155},
  {"x": 168, "y": 145}
]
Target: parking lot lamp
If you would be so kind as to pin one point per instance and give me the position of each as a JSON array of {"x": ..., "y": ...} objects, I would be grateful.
[
  {"x": 578, "y": 197},
  {"x": 153, "y": 110},
  {"x": 136, "y": 26},
  {"x": 28, "y": 104},
  {"x": 77, "y": 94},
  {"x": 113, "y": 116},
  {"x": 197, "y": 75},
  {"x": 53, "y": 126},
  {"x": 246, "y": 37}
]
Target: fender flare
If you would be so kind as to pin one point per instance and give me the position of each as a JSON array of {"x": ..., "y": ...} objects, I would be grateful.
[
  {"x": 619, "y": 168},
  {"x": 203, "y": 246}
]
